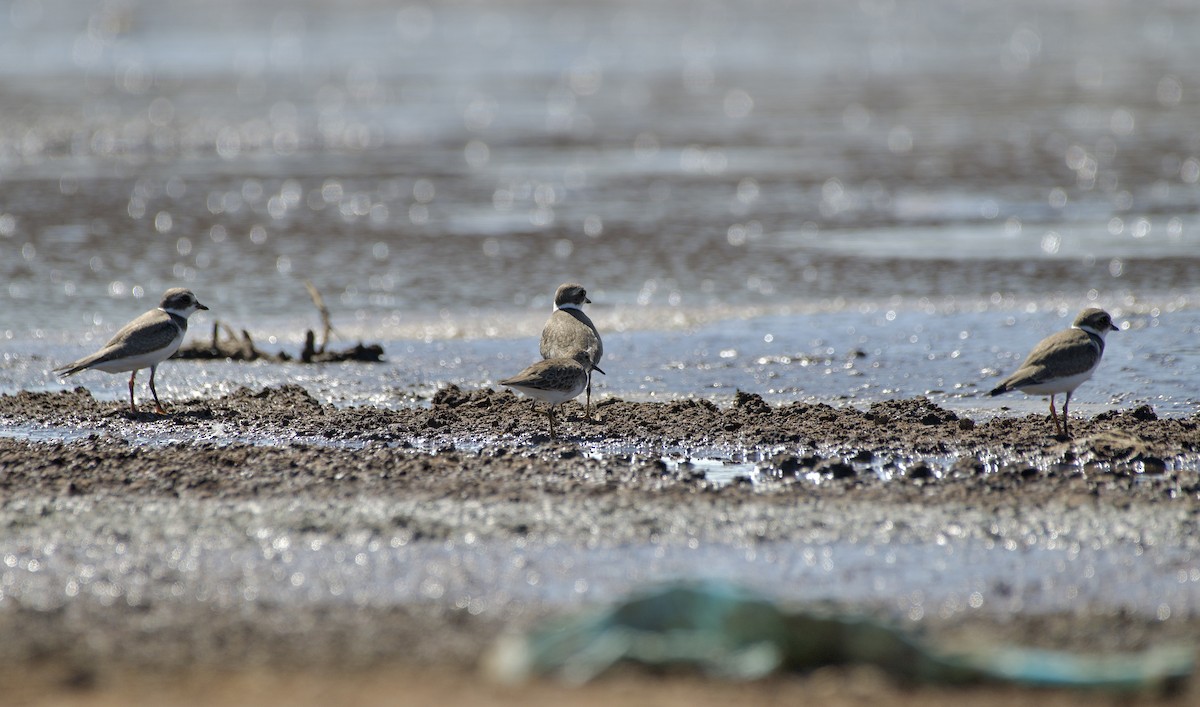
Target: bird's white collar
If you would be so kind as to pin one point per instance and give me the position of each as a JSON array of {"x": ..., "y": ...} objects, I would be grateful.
[
  {"x": 185, "y": 313},
  {"x": 1090, "y": 330}
]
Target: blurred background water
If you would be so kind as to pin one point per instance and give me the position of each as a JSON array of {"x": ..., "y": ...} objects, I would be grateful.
[{"x": 753, "y": 192}]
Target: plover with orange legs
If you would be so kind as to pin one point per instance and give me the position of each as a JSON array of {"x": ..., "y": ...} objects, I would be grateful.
[
  {"x": 569, "y": 330},
  {"x": 143, "y": 343},
  {"x": 1061, "y": 362},
  {"x": 553, "y": 381}
]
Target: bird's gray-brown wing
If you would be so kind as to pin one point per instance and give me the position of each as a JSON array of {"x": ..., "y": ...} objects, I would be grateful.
[
  {"x": 568, "y": 331},
  {"x": 1060, "y": 355},
  {"x": 149, "y": 332},
  {"x": 554, "y": 380},
  {"x": 537, "y": 375}
]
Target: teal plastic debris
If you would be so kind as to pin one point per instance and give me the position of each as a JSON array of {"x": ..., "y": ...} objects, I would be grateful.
[{"x": 730, "y": 632}]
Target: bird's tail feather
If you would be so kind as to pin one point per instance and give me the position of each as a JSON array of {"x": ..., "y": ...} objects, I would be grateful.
[
  {"x": 77, "y": 366},
  {"x": 68, "y": 370}
]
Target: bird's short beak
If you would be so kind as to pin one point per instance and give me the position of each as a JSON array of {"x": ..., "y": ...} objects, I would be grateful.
[
  {"x": 586, "y": 300},
  {"x": 1115, "y": 327},
  {"x": 200, "y": 306}
]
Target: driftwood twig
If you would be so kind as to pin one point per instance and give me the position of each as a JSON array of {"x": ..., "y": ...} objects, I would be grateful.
[
  {"x": 326, "y": 321},
  {"x": 239, "y": 345}
]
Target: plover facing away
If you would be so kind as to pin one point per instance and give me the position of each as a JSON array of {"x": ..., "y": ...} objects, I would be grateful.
[
  {"x": 145, "y": 342},
  {"x": 569, "y": 330},
  {"x": 1062, "y": 361},
  {"x": 553, "y": 380}
]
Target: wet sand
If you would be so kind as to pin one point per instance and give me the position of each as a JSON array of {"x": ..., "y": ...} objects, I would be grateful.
[{"x": 477, "y": 466}]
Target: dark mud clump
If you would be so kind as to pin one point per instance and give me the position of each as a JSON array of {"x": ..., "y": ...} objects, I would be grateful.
[
  {"x": 912, "y": 439},
  {"x": 485, "y": 416}
]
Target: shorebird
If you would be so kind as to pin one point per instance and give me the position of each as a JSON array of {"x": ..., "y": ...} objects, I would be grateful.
[
  {"x": 569, "y": 330},
  {"x": 145, "y": 342},
  {"x": 1062, "y": 361},
  {"x": 553, "y": 380}
]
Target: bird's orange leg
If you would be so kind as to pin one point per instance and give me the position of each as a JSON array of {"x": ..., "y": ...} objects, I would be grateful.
[
  {"x": 1054, "y": 416},
  {"x": 132, "y": 376}
]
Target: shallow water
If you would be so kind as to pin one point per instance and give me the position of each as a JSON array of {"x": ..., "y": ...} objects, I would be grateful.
[
  {"x": 953, "y": 354},
  {"x": 841, "y": 202},
  {"x": 447, "y": 161}
]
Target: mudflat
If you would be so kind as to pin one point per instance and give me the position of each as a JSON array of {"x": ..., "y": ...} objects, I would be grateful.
[{"x": 107, "y": 599}]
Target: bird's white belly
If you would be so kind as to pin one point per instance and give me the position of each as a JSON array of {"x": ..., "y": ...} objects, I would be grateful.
[
  {"x": 554, "y": 397},
  {"x": 1058, "y": 385},
  {"x": 134, "y": 362}
]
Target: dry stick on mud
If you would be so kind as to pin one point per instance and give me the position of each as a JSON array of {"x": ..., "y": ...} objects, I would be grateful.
[
  {"x": 240, "y": 346},
  {"x": 326, "y": 322}
]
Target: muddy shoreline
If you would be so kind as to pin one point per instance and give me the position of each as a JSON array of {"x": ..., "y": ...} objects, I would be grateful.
[
  {"x": 464, "y": 430},
  {"x": 477, "y": 466}
]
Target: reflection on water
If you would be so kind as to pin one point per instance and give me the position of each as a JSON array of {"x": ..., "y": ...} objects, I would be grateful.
[{"x": 438, "y": 160}]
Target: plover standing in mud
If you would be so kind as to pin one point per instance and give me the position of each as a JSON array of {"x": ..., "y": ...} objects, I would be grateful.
[
  {"x": 1062, "y": 361},
  {"x": 553, "y": 380},
  {"x": 145, "y": 342},
  {"x": 569, "y": 330}
]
